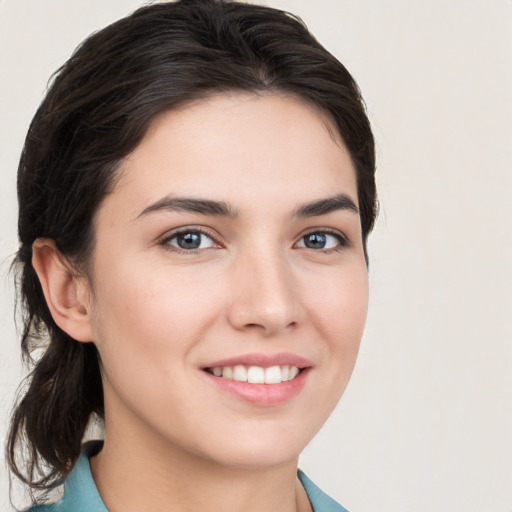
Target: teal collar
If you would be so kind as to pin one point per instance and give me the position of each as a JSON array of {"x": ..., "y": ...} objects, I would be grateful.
[{"x": 320, "y": 502}]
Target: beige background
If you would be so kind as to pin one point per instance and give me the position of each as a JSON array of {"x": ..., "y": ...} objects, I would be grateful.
[{"x": 426, "y": 423}]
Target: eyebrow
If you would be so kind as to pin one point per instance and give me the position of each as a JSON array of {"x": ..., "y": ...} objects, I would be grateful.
[
  {"x": 221, "y": 208},
  {"x": 325, "y": 206},
  {"x": 189, "y": 204}
]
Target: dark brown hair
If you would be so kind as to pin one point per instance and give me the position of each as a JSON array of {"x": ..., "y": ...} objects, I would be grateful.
[{"x": 96, "y": 111}]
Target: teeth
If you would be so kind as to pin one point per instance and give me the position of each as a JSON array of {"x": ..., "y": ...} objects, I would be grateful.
[
  {"x": 239, "y": 373},
  {"x": 273, "y": 375},
  {"x": 256, "y": 374}
]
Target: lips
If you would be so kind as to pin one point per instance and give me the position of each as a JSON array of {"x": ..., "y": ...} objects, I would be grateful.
[{"x": 260, "y": 379}]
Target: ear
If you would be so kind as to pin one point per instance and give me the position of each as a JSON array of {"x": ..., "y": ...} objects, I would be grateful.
[{"x": 67, "y": 294}]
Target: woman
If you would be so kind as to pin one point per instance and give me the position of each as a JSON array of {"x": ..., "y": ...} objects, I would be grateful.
[{"x": 196, "y": 191}]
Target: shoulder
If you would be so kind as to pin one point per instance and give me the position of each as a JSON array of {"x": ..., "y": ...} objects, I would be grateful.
[{"x": 320, "y": 502}]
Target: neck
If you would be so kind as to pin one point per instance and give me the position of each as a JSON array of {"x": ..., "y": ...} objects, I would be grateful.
[{"x": 144, "y": 476}]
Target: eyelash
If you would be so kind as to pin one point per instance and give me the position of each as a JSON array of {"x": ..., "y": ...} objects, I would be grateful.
[
  {"x": 343, "y": 241},
  {"x": 165, "y": 242}
]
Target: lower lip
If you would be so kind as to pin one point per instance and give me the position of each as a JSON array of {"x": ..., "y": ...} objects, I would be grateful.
[{"x": 263, "y": 395}]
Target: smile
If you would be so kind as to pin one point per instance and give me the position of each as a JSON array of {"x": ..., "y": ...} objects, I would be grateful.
[
  {"x": 256, "y": 374},
  {"x": 260, "y": 380}
]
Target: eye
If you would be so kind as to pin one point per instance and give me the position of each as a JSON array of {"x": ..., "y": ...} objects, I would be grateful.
[
  {"x": 190, "y": 240},
  {"x": 322, "y": 240}
]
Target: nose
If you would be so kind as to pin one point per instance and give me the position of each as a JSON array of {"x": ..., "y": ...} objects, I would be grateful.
[{"x": 264, "y": 295}]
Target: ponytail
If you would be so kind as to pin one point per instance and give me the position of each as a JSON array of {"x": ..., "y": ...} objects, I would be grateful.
[{"x": 62, "y": 391}]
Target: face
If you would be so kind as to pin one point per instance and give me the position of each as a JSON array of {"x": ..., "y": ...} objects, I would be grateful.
[{"x": 229, "y": 285}]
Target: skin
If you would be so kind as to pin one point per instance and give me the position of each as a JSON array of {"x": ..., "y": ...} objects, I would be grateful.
[{"x": 158, "y": 313}]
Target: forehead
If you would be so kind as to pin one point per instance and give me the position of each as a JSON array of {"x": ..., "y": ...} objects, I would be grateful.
[{"x": 239, "y": 147}]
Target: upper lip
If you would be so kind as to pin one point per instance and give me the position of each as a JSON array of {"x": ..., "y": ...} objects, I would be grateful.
[{"x": 263, "y": 360}]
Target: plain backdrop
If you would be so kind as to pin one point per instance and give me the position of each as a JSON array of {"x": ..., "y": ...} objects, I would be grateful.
[{"x": 426, "y": 422}]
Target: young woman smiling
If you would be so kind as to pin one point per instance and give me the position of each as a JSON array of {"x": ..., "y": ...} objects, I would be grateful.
[{"x": 196, "y": 191}]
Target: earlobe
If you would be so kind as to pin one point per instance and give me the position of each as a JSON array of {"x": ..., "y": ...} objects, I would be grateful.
[{"x": 63, "y": 290}]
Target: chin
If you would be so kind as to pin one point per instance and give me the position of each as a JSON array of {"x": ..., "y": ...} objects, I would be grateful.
[
  {"x": 264, "y": 458},
  {"x": 259, "y": 449}
]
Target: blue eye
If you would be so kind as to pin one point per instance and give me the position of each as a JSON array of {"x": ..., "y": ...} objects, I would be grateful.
[
  {"x": 190, "y": 240},
  {"x": 321, "y": 240}
]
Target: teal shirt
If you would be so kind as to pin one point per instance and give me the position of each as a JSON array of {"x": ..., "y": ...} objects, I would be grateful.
[{"x": 81, "y": 494}]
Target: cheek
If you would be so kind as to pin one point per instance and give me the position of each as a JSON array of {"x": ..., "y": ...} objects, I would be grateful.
[
  {"x": 343, "y": 300},
  {"x": 339, "y": 312},
  {"x": 145, "y": 327},
  {"x": 151, "y": 313}
]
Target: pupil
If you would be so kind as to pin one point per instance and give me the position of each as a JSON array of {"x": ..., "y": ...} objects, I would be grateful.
[
  {"x": 189, "y": 240},
  {"x": 315, "y": 241}
]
